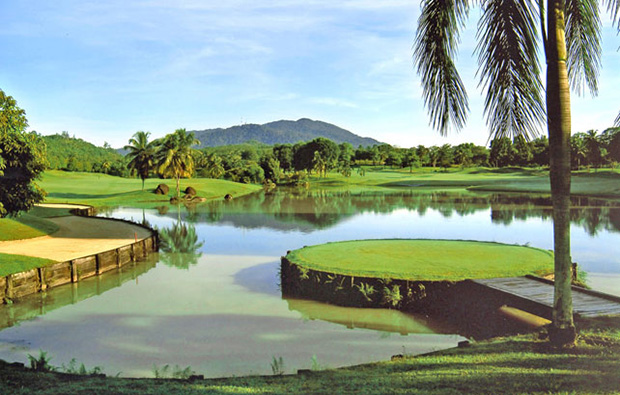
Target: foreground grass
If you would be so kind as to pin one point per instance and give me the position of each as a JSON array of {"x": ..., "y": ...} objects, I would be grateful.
[
  {"x": 521, "y": 364},
  {"x": 424, "y": 260},
  {"x": 10, "y": 264},
  {"x": 101, "y": 190}
]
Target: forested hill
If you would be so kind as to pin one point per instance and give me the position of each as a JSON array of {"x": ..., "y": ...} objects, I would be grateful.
[
  {"x": 280, "y": 132},
  {"x": 74, "y": 154}
]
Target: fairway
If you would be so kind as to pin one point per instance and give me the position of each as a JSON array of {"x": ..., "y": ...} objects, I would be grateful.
[{"x": 424, "y": 260}]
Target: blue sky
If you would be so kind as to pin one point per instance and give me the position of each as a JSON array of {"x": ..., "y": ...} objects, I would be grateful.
[{"x": 102, "y": 70}]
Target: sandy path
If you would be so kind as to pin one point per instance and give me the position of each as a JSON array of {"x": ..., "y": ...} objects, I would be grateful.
[{"x": 77, "y": 237}]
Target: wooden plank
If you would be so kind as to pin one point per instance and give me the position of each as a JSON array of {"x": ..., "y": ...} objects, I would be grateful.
[{"x": 585, "y": 303}]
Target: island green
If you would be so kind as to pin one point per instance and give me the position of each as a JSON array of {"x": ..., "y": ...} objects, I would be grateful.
[{"x": 424, "y": 260}]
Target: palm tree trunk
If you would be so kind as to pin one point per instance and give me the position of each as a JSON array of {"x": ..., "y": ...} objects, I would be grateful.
[
  {"x": 178, "y": 187},
  {"x": 562, "y": 332}
]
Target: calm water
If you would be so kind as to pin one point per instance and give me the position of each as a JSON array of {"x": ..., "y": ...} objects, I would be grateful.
[{"x": 210, "y": 299}]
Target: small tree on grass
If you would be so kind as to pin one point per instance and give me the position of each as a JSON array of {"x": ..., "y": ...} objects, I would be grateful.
[
  {"x": 141, "y": 154},
  {"x": 174, "y": 157}
]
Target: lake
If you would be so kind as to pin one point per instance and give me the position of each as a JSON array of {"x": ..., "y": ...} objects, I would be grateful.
[{"x": 211, "y": 299}]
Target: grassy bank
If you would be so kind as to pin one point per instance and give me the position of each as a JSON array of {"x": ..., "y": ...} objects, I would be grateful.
[
  {"x": 25, "y": 226},
  {"x": 101, "y": 190},
  {"x": 522, "y": 364},
  {"x": 423, "y": 260},
  {"x": 10, "y": 264}
]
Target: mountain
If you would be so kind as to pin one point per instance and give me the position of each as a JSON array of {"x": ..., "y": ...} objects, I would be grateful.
[{"x": 280, "y": 132}]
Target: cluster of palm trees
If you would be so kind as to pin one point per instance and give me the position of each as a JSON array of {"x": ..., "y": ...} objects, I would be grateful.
[
  {"x": 169, "y": 157},
  {"x": 517, "y": 102}
]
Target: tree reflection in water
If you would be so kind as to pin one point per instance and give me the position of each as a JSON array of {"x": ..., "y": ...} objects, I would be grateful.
[{"x": 179, "y": 245}]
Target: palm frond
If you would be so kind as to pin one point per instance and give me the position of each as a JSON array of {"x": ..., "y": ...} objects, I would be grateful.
[
  {"x": 509, "y": 69},
  {"x": 617, "y": 121},
  {"x": 437, "y": 38},
  {"x": 613, "y": 6},
  {"x": 583, "y": 44}
]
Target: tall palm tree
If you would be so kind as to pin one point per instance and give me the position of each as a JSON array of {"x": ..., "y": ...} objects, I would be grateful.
[
  {"x": 174, "y": 156},
  {"x": 142, "y": 154},
  {"x": 508, "y": 37}
]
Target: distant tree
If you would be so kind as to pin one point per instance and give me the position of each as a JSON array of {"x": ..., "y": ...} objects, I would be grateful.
[
  {"x": 540, "y": 151},
  {"x": 212, "y": 166},
  {"x": 463, "y": 154},
  {"x": 501, "y": 152},
  {"x": 579, "y": 151},
  {"x": 304, "y": 154},
  {"x": 271, "y": 167},
  {"x": 394, "y": 158},
  {"x": 611, "y": 137},
  {"x": 445, "y": 156},
  {"x": 433, "y": 156},
  {"x": 595, "y": 152},
  {"x": 22, "y": 159},
  {"x": 521, "y": 151},
  {"x": 141, "y": 155},
  {"x": 284, "y": 154},
  {"x": 410, "y": 159},
  {"x": 319, "y": 164},
  {"x": 480, "y": 155},
  {"x": 424, "y": 155},
  {"x": 174, "y": 156},
  {"x": 249, "y": 154}
]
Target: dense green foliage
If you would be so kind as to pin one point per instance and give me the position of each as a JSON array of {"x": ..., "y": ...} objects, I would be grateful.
[
  {"x": 280, "y": 132},
  {"x": 74, "y": 154},
  {"x": 22, "y": 159},
  {"x": 423, "y": 260}
]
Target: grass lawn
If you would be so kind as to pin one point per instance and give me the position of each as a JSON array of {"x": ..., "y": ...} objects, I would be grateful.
[
  {"x": 603, "y": 183},
  {"x": 101, "y": 190},
  {"x": 25, "y": 226},
  {"x": 422, "y": 260},
  {"x": 10, "y": 264},
  {"x": 521, "y": 364}
]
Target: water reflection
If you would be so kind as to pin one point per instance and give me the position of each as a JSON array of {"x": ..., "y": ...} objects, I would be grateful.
[
  {"x": 179, "y": 245},
  {"x": 308, "y": 210},
  {"x": 31, "y": 306}
]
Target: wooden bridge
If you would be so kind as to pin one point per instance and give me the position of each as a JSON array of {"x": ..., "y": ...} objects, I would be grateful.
[{"x": 535, "y": 295}]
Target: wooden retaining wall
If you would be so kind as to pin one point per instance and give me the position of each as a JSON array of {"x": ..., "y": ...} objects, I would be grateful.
[
  {"x": 37, "y": 304},
  {"x": 15, "y": 286}
]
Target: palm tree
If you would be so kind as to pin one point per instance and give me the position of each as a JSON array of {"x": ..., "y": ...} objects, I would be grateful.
[
  {"x": 142, "y": 154},
  {"x": 174, "y": 156},
  {"x": 509, "y": 70}
]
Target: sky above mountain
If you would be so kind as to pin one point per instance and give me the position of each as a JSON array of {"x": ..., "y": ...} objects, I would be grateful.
[{"x": 102, "y": 70}]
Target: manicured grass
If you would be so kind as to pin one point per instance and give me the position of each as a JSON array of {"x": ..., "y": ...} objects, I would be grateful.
[
  {"x": 522, "y": 364},
  {"x": 10, "y": 264},
  {"x": 102, "y": 190},
  {"x": 25, "y": 226},
  {"x": 603, "y": 183},
  {"x": 424, "y": 260}
]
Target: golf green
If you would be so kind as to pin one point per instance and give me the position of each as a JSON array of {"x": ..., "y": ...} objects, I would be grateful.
[{"x": 424, "y": 260}]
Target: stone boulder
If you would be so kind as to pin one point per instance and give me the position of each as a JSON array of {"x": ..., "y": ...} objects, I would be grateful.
[
  {"x": 162, "y": 189},
  {"x": 190, "y": 191},
  {"x": 228, "y": 197}
]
